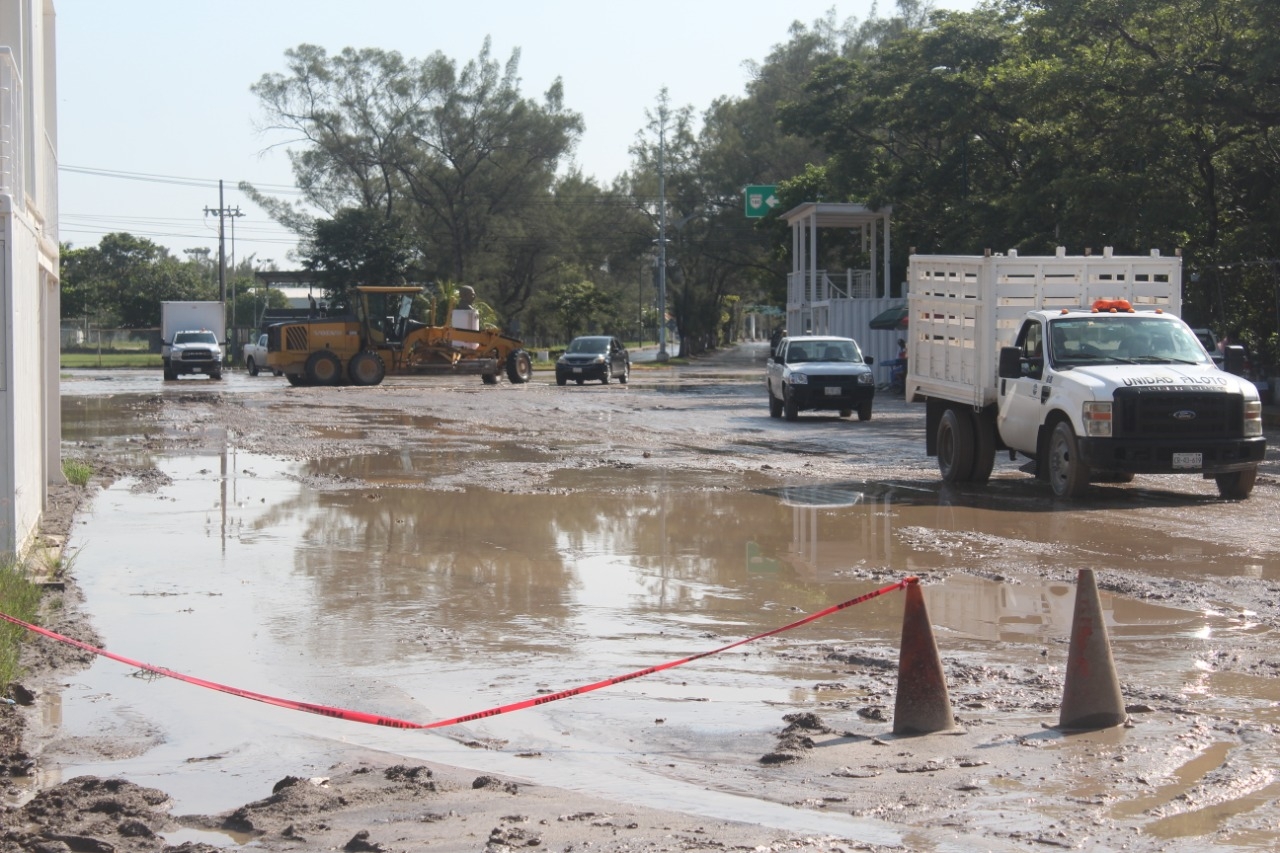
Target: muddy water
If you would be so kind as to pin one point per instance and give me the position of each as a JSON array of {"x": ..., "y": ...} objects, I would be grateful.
[{"x": 426, "y": 605}]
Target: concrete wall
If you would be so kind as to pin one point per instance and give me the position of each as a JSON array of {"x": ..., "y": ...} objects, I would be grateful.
[{"x": 30, "y": 421}]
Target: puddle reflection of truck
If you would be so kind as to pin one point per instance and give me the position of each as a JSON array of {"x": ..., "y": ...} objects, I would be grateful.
[
  {"x": 192, "y": 335},
  {"x": 1078, "y": 363}
]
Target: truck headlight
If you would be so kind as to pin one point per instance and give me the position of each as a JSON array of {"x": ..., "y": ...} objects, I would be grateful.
[
  {"x": 1097, "y": 418},
  {"x": 866, "y": 379},
  {"x": 1252, "y": 417},
  {"x": 799, "y": 379}
]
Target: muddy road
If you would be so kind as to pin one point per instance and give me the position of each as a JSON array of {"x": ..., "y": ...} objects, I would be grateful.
[{"x": 428, "y": 549}]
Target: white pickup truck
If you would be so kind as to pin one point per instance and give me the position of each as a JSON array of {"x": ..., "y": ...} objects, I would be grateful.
[
  {"x": 819, "y": 372},
  {"x": 1078, "y": 363},
  {"x": 255, "y": 355}
]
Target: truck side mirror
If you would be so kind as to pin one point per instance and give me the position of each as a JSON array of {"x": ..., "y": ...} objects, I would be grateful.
[
  {"x": 1233, "y": 359},
  {"x": 1010, "y": 366},
  {"x": 869, "y": 360}
]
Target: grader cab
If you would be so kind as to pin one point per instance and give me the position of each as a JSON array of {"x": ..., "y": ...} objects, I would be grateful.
[{"x": 374, "y": 337}]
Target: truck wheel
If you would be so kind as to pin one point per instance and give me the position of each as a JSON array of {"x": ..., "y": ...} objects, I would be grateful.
[
  {"x": 251, "y": 365},
  {"x": 296, "y": 379},
  {"x": 955, "y": 446},
  {"x": 324, "y": 368},
  {"x": 775, "y": 405},
  {"x": 366, "y": 368},
  {"x": 215, "y": 374},
  {"x": 984, "y": 449},
  {"x": 790, "y": 408},
  {"x": 1068, "y": 474},
  {"x": 1237, "y": 485},
  {"x": 169, "y": 374},
  {"x": 864, "y": 411},
  {"x": 519, "y": 367}
]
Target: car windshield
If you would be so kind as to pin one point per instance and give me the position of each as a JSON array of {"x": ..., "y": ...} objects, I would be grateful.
[
  {"x": 589, "y": 345},
  {"x": 1136, "y": 340},
  {"x": 823, "y": 350},
  {"x": 195, "y": 338}
]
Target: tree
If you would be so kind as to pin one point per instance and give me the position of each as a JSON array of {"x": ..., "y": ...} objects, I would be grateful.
[
  {"x": 123, "y": 280},
  {"x": 455, "y": 154},
  {"x": 359, "y": 246}
]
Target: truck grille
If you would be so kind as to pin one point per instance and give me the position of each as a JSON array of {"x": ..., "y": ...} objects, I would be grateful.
[
  {"x": 1157, "y": 414},
  {"x": 197, "y": 355}
]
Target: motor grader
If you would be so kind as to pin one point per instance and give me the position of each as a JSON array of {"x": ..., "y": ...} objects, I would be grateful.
[{"x": 374, "y": 336}]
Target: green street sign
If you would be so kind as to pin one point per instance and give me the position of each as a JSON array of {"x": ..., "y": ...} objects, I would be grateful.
[{"x": 761, "y": 199}]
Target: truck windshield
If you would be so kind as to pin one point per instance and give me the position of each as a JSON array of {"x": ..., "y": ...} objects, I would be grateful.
[
  {"x": 195, "y": 338},
  {"x": 1132, "y": 339}
]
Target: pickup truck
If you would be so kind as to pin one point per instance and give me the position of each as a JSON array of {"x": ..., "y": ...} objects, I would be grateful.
[
  {"x": 255, "y": 354},
  {"x": 819, "y": 372}
]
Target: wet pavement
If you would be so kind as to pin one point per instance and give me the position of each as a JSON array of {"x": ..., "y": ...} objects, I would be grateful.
[{"x": 334, "y": 581}]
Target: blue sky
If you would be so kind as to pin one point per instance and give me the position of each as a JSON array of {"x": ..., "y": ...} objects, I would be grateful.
[{"x": 159, "y": 89}]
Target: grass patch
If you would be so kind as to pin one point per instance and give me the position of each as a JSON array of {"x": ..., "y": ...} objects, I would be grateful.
[
  {"x": 110, "y": 359},
  {"x": 19, "y": 598},
  {"x": 76, "y": 472}
]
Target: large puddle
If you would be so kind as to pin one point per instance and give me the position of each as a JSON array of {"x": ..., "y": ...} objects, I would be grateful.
[{"x": 426, "y": 605}]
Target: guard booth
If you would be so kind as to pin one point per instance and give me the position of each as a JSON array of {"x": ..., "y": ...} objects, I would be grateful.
[{"x": 842, "y": 302}]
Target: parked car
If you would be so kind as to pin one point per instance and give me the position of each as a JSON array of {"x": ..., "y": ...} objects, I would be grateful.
[
  {"x": 819, "y": 373},
  {"x": 594, "y": 357},
  {"x": 255, "y": 354}
]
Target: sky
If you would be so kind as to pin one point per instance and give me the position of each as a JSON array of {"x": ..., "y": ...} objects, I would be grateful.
[{"x": 154, "y": 107}]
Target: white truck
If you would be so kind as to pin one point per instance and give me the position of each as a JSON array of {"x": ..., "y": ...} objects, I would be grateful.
[
  {"x": 192, "y": 336},
  {"x": 1079, "y": 363}
]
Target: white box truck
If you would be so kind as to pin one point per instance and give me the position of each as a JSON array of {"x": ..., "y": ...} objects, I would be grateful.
[
  {"x": 1079, "y": 363},
  {"x": 192, "y": 336}
]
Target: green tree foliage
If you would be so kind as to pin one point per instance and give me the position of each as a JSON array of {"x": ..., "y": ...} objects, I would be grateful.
[
  {"x": 457, "y": 155},
  {"x": 122, "y": 281},
  {"x": 359, "y": 246},
  {"x": 1141, "y": 124}
]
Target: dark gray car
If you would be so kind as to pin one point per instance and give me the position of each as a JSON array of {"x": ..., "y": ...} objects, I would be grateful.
[{"x": 596, "y": 357}]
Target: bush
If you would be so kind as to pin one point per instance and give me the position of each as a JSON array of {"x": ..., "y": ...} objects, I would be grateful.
[{"x": 76, "y": 472}]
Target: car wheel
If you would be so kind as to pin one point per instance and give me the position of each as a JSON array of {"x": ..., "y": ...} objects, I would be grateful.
[
  {"x": 864, "y": 411},
  {"x": 1237, "y": 485},
  {"x": 955, "y": 446},
  {"x": 626, "y": 373},
  {"x": 251, "y": 365},
  {"x": 560, "y": 380},
  {"x": 1068, "y": 474},
  {"x": 608, "y": 372},
  {"x": 790, "y": 407},
  {"x": 775, "y": 405}
]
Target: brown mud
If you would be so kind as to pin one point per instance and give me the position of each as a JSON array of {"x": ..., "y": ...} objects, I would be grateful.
[{"x": 1191, "y": 769}]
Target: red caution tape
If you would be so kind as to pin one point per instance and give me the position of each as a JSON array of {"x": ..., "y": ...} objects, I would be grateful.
[{"x": 391, "y": 722}]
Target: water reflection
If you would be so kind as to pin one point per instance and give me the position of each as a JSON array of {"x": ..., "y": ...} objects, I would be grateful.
[{"x": 423, "y": 604}]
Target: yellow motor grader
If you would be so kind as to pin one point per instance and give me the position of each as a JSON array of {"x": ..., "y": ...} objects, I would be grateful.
[{"x": 374, "y": 337}]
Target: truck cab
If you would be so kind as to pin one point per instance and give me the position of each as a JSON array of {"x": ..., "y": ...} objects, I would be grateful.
[{"x": 1115, "y": 392}]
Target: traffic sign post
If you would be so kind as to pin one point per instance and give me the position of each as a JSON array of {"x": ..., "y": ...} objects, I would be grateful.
[{"x": 760, "y": 200}]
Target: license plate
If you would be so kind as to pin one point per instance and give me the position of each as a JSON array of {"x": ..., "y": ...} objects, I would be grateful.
[
  {"x": 1188, "y": 460},
  {"x": 832, "y": 391},
  {"x": 577, "y": 370}
]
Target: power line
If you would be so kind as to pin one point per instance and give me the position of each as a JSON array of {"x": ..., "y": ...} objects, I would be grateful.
[{"x": 205, "y": 183}]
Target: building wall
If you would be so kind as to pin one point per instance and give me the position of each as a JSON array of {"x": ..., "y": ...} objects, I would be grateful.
[{"x": 30, "y": 422}]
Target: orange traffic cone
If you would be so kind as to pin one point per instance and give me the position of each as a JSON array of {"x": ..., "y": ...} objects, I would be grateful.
[
  {"x": 1091, "y": 697},
  {"x": 923, "y": 705}
]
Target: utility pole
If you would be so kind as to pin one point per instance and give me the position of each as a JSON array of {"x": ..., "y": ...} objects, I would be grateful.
[
  {"x": 223, "y": 212},
  {"x": 662, "y": 235}
]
